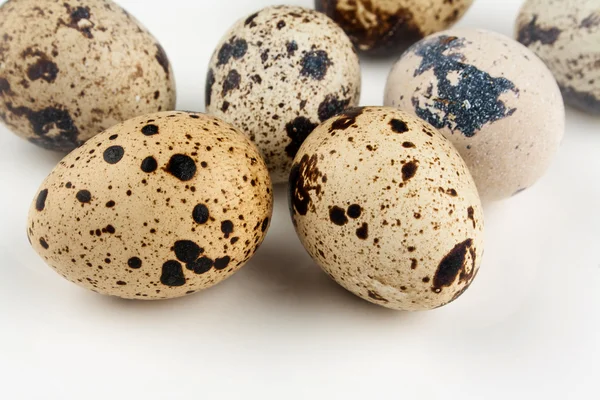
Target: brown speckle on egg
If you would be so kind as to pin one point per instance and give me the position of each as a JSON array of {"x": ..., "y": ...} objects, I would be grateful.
[
  {"x": 278, "y": 76},
  {"x": 393, "y": 228},
  {"x": 70, "y": 70}
]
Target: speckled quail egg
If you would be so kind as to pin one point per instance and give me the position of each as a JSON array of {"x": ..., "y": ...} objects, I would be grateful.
[
  {"x": 71, "y": 69},
  {"x": 277, "y": 74},
  {"x": 382, "y": 27},
  {"x": 387, "y": 207},
  {"x": 157, "y": 207},
  {"x": 565, "y": 34},
  {"x": 492, "y": 97}
]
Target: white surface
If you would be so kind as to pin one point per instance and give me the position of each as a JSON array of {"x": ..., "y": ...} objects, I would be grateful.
[{"x": 280, "y": 329}]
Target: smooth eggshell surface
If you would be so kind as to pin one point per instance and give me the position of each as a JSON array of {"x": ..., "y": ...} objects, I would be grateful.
[
  {"x": 492, "y": 97},
  {"x": 389, "y": 26},
  {"x": 566, "y": 35},
  {"x": 157, "y": 207},
  {"x": 386, "y": 206},
  {"x": 71, "y": 69},
  {"x": 277, "y": 74}
]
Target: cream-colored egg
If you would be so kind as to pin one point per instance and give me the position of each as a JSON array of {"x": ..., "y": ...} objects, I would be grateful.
[
  {"x": 387, "y": 207},
  {"x": 565, "y": 34},
  {"x": 492, "y": 97},
  {"x": 71, "y": 69},
  {"x": 157, "y": 207},
  {"x": 277, "y": 74},
  {"x": 389, "y": 26}
]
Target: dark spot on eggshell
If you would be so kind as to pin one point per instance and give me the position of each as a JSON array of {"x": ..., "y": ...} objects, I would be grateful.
[
  {"x": 304, "y": 180},
  {"x": 5, "y": 87},
  {"x": 363, "y": 232},
  {"x": 471, "y": 216},
  {"x": 210, "y": 81},
  {"x": 227, "y": 227},
  {"x": 200, "y": 214},
  {"x": 532, "y": 32},
  {"x": 44, "y": 244},
  {"x": 315, "y": 64},
  {"x": 113, "y": 154},
  {"x": 264, "y": 225},
  {"x": 149, "y": 164},
  {"x": 338, "y": 216},
  {"x": 40, "y": 202},
  {"x": 291, "y": 48},
  {"x": 84, "y": 196},
  {"x": 231, "y": 82},
  {"x": 398, "y": 126},
  {"x": 346, "y": 119},
  {"x": 172, "y": 274},
  {"x": 43, "y": 69},
  {"x": 76, "y": 16},
  {"x": 466, "y": 105},
  {"x": 187, "y": 251},
  {"x": 235, "y": 48},
  {"x": 181, "y": 167},
  {"x": 298, "y": 130},
  {"x": 46, "y": 120},
  {"x": 201, "y": 265},
  {"x": 354, "y": 211},
  {"x": 161, "y": 57},
  {"x": 409, "y": 170},
  {"x": 150, "y": 130},
  {"x": 377, "y": 297},
  {"x": 134, "y": 263},
  {"x": 331, "y": 106},
  {"x": 250, "y": 20},
  {"x": 222, "y": 263},
  {"x": 454, "y": 265}
]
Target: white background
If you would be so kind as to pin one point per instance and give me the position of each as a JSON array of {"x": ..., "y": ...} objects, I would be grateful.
[{"x": 528, "y": 328}]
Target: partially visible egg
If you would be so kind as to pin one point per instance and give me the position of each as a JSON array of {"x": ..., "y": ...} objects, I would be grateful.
[
  {"x": 492, "y": 97},
  {"x": 277, "y": 74},
  {"x": 157, "y": 207},
  {"x": 385, "y": 27},
  {"x": 71, "y": 69},
  {"x": 565, "y": 34},
  {"x": 387, "y": 207}
]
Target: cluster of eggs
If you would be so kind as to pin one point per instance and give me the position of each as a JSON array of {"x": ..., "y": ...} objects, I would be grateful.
[{"x": 168, "y": 203}]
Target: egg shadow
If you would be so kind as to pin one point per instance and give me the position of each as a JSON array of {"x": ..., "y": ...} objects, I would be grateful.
[{"x": 289, "y": 279}]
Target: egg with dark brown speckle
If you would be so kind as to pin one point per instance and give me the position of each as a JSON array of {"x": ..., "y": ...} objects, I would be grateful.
[
  {"x": 387, "y": 207},
  {"x": 277, "y": 74},
  {"x": 71, "y": 69},
  {"x": 157, "y": 207},
  {"x": 384, "y": 27},
  {"x": 565, "y": 34}
]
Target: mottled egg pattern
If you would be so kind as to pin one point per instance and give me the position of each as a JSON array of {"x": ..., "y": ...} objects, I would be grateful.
[
  {"x": 70, "y": 69},
  {"x": 157, "y": 207},
  {"x": 277, "y": 74},
  {"x": 407, "y": 232},
  {"x": 565, "y": 34},
  {"x": 388, "y": 26},
  {"x": 492, "y": 97}
]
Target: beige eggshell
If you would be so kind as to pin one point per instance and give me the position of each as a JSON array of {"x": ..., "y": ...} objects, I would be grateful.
[
  {"x": 277, "y": 74},
  {"x": 565, "y": 34},
  {"x": 71, "y": 69},
  {"x": 387, "y": 207},
  {"x": 157, "y": 207},
  {"x": 390, "y": 26},
  {"x": 492, "y": 97}
]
